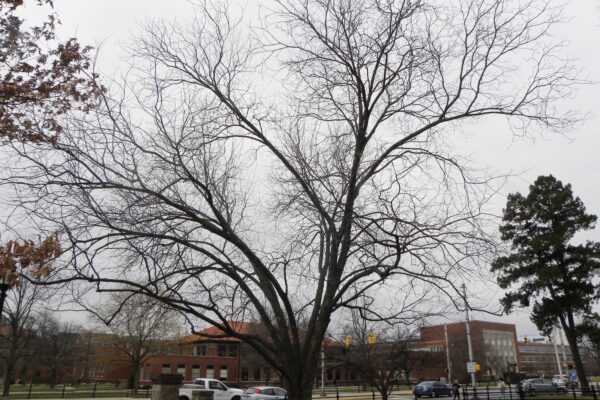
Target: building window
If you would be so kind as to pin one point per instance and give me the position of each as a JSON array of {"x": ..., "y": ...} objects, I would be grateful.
[
  {"x": 329, "y": 373},
  {"x": 181, "y": 369},
  {"x": 166, "y": 369},
  {"x": 210, "y": 372},
  {"x": 223, "y": 373},
  {"x": 257, "y": 374},
  {"x": 232, "y": 351},
  {"x": 200, "y": 350},
  {"x": 100, "y": 372},
  {"x": 221, "y": 351},
  {"x": 267, "y": 374},
  {"x": 244, "y": 373},
  {"x": 146, "y": 374},
  {"x": 195, "y": 372}
]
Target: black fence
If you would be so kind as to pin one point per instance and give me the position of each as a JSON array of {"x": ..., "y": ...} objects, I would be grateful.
[
  {"x": 32, "y": 392},
  {"x": 515, "y": 392}
]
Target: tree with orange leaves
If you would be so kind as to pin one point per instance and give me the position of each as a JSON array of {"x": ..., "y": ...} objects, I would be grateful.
[
  {"x": 40, "y": 79},
  {"x": 17, "y": 256},
  {"x": 17, "y": 260}
]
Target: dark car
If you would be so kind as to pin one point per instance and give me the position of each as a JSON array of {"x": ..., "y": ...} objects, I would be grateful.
[
  {"x": 533, "y": 386},
  {"x": 432, "y": 389}
]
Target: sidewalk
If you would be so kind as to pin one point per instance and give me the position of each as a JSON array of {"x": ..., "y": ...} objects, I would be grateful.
[{"x": 316, "y": 396}]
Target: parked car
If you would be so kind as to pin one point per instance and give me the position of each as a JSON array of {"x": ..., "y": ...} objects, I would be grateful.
[
  {"x": 565, "y": 381},
  {"x": 533, "y": 386},
  {"x": 432, "y": 389},
  {"x": 219, "y": 389},
  {"x": 264, "y": 393}
]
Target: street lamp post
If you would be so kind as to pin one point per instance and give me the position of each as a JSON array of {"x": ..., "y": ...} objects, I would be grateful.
[{"x": 3, "y": 289}]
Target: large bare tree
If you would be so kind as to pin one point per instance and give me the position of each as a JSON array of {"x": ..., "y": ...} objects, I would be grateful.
[{"x": 280, "y": 172}]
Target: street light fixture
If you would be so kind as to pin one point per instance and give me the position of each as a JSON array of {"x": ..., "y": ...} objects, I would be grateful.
[{"x": 4, "y": 285}]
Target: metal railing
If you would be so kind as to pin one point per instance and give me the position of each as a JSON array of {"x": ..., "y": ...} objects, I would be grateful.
[{"x": 516, "y": 392}]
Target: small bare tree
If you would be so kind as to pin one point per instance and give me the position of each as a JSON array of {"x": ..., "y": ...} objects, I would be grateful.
[
  {"x": 17, "y": 333},
  {"x": 141, "y": 328},
  {"x": 381, "y": 363},
  {"x": 56, "y": 346},
  {"x": 349, "y": 104}
]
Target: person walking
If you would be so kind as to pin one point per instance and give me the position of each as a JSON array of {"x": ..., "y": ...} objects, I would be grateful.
[
  {"x": 456, "y": 390},
  {"x": 502, "y": 386}
]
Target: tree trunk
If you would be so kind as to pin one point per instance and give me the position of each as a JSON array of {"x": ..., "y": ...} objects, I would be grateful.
[
  {"x": 572, "y": 340},
  {"x": 136, "y": 378},
  {"x": 384, "y": 391},
  {"x": 301, "y": 373},
  {"x": 8, "y": 369},
  {"x": 300, "y": 389},
  {"x": 53, "y": 377}
]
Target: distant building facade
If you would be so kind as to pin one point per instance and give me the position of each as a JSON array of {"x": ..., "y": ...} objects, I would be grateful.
[
  {"x": 494, "y": 344},
  {"x": 213, "y": 355}
]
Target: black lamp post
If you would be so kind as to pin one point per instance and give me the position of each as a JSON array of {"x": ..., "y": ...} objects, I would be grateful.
[{"x": 3, "y": 289}]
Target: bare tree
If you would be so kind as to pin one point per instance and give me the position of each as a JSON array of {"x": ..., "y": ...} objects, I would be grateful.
[
  {"x": 56, "y": 346},
  {"x": 381, "y": 363},
  {"x": 350, "y": 104},
  {"x": 140, "y": 327},
  {"x": 17, "y": 333}
]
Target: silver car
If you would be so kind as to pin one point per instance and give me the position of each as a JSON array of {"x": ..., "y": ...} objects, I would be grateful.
[
  {"x": 534, "y": 386},
  {"x": 264, "y": 393}
]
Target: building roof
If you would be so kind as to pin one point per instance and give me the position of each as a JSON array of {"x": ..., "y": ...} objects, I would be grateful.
[{"x": 214, "y": 333}]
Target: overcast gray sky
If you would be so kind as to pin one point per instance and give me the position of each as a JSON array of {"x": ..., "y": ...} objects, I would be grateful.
[{"x": 573, "y": 159}]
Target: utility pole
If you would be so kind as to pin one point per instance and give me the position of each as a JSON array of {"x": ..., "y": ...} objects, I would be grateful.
[
  {"x": 557, "y": 357},
  {"x": 323, "y": 370},
  {"x": 469, "y": 343},
  {"x": 448, "y": 362},
  {"x": 562, "y": 346}
]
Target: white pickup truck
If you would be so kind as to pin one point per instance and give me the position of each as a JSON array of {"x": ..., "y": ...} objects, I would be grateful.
[{"x": 219, "y": 390}]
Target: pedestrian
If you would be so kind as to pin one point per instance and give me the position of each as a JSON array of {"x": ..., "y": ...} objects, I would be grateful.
[
  {"x": 456, "y": 390},
  {"x": 502, "y": 386}
]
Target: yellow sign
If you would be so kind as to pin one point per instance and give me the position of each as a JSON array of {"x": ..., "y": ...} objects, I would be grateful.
[
  {"x": 372, "y": 338},
  {"x": 347, "y": 340}
]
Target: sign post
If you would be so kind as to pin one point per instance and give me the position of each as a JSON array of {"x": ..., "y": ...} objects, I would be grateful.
[{"x": 471, "y": 366}]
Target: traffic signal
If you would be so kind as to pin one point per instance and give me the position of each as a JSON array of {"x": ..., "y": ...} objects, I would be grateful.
[
  {"x": 550, "y": 339},
  {"x": 477, "y": 367},
  {"x": 347, "y": 340},
  {"x": 372, "y": 338},
  {"x": 526, "y": 340}
]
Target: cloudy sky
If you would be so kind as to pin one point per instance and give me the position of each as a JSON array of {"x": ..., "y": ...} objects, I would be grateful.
[{"x": 572, "y": 158}]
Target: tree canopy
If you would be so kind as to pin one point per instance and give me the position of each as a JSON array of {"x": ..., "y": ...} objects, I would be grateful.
[{"x": 545, "y": 269}]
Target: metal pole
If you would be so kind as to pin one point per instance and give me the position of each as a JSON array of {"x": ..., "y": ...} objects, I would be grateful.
[
  {"x": 468, "y": 325},
  {"x": 323, "y": 371},
  {"x": 562, "y": 346},
  {"x": 448, "y": 362},
  {"x": 3, "y": 290},
  {"x": 557, "y": 357}
]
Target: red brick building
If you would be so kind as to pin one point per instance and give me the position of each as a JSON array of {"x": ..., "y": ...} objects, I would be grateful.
[
  {"x": 495, "y": 348},
  {"x": 212, "y": 355}
]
